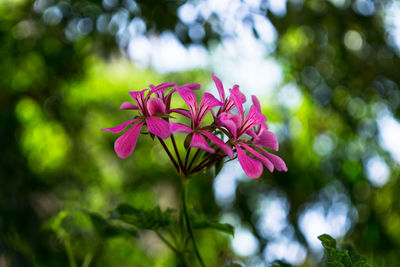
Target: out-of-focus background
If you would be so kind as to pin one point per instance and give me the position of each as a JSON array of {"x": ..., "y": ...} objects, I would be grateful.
[{"x": 327, "y": 74}]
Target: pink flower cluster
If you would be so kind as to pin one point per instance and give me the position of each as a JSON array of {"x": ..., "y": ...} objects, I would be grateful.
[{"x": 243, "y": 136}]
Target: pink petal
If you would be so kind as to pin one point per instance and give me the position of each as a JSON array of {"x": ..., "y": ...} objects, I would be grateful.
[
  {"x": 164, "y": 86},
  {"x": 238, "y": 103},
  {"x": 221, "y": 144},
  {"x": 220, "y": 87},
  {"x": 253, "y": 118},
  {"x": 190, "y": 98},
  {"x": 138, "y": 96},
  {"x": 230, "y": 124},
  {"x": 200, "y": 142},
  {"x": 179, "y": 128},
  {"x": 277, "y": 161},
  {"x": 207, "y": 103},
  {"x": 240, "y": 95},
  {"x": 256, "y": 103},
  {"x": 267, "y": 163},
  {"x": 268, "y": 139},
  {"x": 252, "y": 134},
  {"x": 128, "y": 105},
  {"x": 252, "y": 167},
  {"x": 155, "y": 105},
  {"x": 192, "y": 86},
  {"x": 158, "y": 126},
  {"x": 181, "y": 111},
  {"x": 161, "y": 87},
  {"x": 119, "y": 128},
  {"x": 126, "y": 143},
  {"x": 236, "y": 119}
]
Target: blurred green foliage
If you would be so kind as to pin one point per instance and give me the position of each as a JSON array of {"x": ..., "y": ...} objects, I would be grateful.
[{"x": 59, "y": 87}]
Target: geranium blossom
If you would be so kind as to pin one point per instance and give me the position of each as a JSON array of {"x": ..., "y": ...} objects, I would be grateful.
[
  {"x": 238, "y": 126},
  {"x": 197, "y": 114},
  {"x": 247, "y": 137},
  {"x": 152, "y": 112}
]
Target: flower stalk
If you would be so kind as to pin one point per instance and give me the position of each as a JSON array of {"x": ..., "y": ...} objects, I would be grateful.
[{"x": 187, "y": 220}]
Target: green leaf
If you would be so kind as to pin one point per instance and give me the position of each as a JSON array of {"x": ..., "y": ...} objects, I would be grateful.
[
  {"x": 187, "y": 141},
  {"x": 279, "y": 263},
  {"x": 201, "y": 222},
  {"x": 327, "y": 241},
  {"x": 218, "y": 166},
  {"x": 341, "y": 257},
  {"x": 55, "y": 224},
  {"x": 107, "y": 229},
  {"x": 151, "y": 219}
]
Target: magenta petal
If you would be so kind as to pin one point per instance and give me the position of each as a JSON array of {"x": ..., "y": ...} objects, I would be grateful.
[
  {"x": 119, "y": 128},
  {"x": 207, "y": 103},
  {"x": 190, "y": 98},
  {"x": 179, "y": 128},
  {"x": 126, "y": 143},
  {"x": 155, "y": 105},
  {"x": 159, "y": 88},
  {"x": 279, "y": 164},
  {"x": 236, "y": 119},
  {"x": 256, "y": 103},
  {"x": 220, "y": 87},
  {"x": 226, "y": 121},
  {"x": 224, "y": 147},
  {"x": 238, "y": 103},
  {"x": 192, "y": 86},
  {"x": 267, "y": 139},
  {"x": 136, "y": 94},
  {"x": 267, "y": 163},
  {"x": 253, "y": 118},
  {"x": 128, "y": 105},
  {"x": 230, "y": 125},
  {"x": 181, "y": 111},
  {"x": 240, "y": 95},
  {"x": 252, "y": 134},
  {"x": 158, "y": 126},
  {"x": 164, "y": 86},
  {"x": 252, "y": 167},
  {"x": 200, "y": 142}
]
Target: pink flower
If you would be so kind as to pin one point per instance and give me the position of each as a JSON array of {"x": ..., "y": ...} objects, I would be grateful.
[
  {"x": 229, "y": 103},
  {"x": 197, "y": 114},
  {"x": 238, "y": 126},
  {"x": 151, "y": 112}
]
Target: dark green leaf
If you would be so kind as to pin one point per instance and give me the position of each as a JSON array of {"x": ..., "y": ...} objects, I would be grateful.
[
  {"x": 151, "y": 219},
  {"x": 341, "y": 257},
  {"x": 327, "y": 241},
  {"x": 279, "y": 263},
  {"x": 187, "y": 141},
  {"x": 106, "y": 229},
  {"x": 201, "y": 222},
  {"x": 218, "y": 166}
]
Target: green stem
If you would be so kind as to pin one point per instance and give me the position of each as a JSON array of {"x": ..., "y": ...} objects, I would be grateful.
[
  {"x": 193, "y": 159},
  {"x": 169, "y": 154},
  {"x": 173, "y": 237},
  {"x": 86, "y": 261},
  {"x": 177, "y": 153},
  {"x": 203, "y": 161},
  {"x": 188, "y": 225},
  {"x": 167, "y": 242},
  {"x": 186, "y": 159},
  {"x": 201, "y": 166},
  {"x": 70, "y": 254}
]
